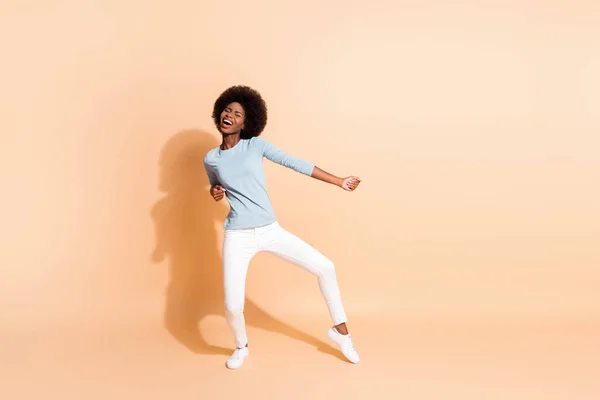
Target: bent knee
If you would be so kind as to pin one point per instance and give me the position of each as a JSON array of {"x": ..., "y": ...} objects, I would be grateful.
[{"x": 327, "y": 269}]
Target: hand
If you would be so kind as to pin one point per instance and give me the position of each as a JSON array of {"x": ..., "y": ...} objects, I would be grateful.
[
  {"x": 350, "y": 183},
  {"x": 217, "y": 192}
]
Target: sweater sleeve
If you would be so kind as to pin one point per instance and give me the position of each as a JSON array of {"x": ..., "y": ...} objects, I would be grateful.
[
  {"x": 212, "y": 177},
  {"x": 272, "y": 153}
]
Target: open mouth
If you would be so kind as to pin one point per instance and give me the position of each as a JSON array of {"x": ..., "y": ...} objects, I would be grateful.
[{"x": 227, "y": 123}]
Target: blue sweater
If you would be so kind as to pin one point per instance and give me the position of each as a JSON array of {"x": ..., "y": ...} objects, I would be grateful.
[{"x": 240, "y": 171}]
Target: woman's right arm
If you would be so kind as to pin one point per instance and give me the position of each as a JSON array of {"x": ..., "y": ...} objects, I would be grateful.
[{"x": 216, "y": 190}]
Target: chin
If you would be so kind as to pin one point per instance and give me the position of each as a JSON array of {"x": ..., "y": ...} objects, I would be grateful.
[{"x": 229, "y": 131}]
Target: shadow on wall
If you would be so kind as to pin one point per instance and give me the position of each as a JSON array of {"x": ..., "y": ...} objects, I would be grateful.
[{"x": 184, "y": 220}]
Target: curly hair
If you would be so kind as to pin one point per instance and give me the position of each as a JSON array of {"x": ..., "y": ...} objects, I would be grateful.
[{"x": 254, "y": 107}]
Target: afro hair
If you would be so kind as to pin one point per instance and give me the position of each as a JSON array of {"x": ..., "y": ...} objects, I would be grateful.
[{"x": 254, "y": 107}]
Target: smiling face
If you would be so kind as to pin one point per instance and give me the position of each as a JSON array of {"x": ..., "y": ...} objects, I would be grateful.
[{"x": 232, "y": 119}]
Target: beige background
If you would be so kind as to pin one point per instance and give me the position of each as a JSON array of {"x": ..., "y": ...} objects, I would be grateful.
[{"x": 475, "y": 127}]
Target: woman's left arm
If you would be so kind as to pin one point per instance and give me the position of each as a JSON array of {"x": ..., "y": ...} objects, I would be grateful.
[
  {"x": 349, "y": 183},
  {"x": 282, "y": 158}
]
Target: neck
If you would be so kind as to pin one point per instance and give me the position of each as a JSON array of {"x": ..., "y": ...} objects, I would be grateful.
[{"x": 230, "y": 140}]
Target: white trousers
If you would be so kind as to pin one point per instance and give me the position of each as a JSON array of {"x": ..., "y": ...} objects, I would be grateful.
[{"x": 240, "y": 245}]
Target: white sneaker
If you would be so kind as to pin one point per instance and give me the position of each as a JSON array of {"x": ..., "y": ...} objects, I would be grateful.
[
  {"x": 237, "y": 358},
  {"x": 345, "y": 344}
]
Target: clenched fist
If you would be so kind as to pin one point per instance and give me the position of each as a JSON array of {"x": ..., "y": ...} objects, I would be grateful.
[
  {"x": 350, "y": 183},
  {"x": 217, "y": 192}
]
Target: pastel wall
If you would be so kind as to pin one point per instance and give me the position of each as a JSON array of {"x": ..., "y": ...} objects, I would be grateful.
[{"x": 475, "y": 128}]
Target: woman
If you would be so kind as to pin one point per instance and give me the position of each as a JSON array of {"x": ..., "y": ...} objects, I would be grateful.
[{"x": 235, "y": 171}]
